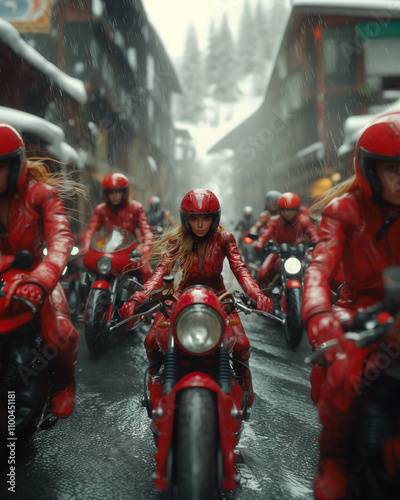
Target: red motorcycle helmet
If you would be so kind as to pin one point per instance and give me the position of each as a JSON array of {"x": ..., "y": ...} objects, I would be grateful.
[
  {"x": 289, "y": 201},
  {"x": 115, "y": 181},
  {"x": 200, "y": 202},
  {"x": 380, "y": 140},
  {"x": 12, "y": 151}
]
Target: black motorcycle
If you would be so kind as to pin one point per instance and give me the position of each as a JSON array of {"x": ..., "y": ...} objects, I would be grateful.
[
  {"x": 286, "y": 288},
  {"x": 26, "y": 362}
]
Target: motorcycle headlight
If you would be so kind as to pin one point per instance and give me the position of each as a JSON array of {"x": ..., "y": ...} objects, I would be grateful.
[
  {"x": 104, "y": 265},
  {"x": 292, "y": 265},
  {"x": 199, "y": 329}
]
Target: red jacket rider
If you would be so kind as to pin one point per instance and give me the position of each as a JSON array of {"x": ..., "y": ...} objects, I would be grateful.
[
  {"x": 203, "y": 244},
  {"x": 119, "y": 210},
  {"x": 31, "y": 215},
  {"x": 360, "y": 228},
  {"x": 291, "y": 226}
]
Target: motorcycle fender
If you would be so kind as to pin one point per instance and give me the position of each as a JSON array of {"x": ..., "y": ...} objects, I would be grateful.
[
  {"x": 293, "y": 284},
  {"x": 102, "y": 284},
  {"x": 164, "y": 416}
]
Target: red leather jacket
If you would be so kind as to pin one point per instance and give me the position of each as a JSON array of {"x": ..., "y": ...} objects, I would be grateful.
[
  {"x": 128, "y": 216},
  {"x": 299, "y": 230},
  {"x": 347, "y": 232},
  {"x": 37, "y": 216},
  {"x": 219, "y": 246}
]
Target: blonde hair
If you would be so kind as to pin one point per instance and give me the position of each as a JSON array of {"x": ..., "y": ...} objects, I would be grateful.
[
  {"x": 348, "y": 185},
  {"x": 40, "y": 172},
  {"x": 177, "y": 243}
]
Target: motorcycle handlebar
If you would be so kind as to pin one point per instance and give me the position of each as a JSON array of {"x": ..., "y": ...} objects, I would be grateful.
[
  {"x": 22, "y": 300},
  {"x": 363, "y": 329}
]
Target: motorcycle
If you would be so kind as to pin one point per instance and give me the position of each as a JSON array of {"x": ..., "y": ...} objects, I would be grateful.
[
  {"x": 378, "y": 410},
  {"x": 249, "y": 256},
  {"x": 196, "y": 403},
  {"x": 72, "y": 281},
  {"x": 26, "y": 363},
  {"x": 113, "y": 266},
  {"x": 286, "y": 288}
]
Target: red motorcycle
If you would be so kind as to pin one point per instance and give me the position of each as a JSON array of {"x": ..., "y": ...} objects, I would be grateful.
[
  {"x": 196, "y": 403},
  {"x": 374, "y": 451},
  {"x": 26, "y": 364},
  {"x": 113, "y": 264}
]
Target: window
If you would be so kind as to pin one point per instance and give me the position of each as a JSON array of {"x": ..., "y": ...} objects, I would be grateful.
[{"x": 340, "y": 49}]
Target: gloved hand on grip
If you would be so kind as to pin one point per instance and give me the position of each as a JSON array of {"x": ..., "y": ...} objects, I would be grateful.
[
  {"x": 27, "y": 290},
  {"x": 128, "y": 310},
  {"x": 323, "y": 327},
  {"x": 264, "y": 303}
]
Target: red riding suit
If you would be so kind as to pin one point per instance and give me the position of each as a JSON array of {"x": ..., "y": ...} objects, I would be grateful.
[
  {"x": 299, "y": 230},
  {"x": 129, "y": 216},
  {"x": 37, "y": 217},
  {"x": 219, "y": 246},
  {"x": 361, "y": 232}
]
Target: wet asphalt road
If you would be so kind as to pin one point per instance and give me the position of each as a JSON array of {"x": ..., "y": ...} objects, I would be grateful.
[{"x": 105, "y": 449}]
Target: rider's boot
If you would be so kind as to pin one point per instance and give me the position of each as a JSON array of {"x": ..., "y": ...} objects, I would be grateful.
[
  {"x": 331, "y": 478},
  {"x": 63, "y": 397}
]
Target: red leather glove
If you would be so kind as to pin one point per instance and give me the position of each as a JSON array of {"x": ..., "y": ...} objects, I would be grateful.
[
  {"x": 128, "y": 310},
  {"x": 323, "y": 327},
  {"x": 25, "y": 290},
  {"x": 264, "y": 303},
  {"x": 258, "y": 246}
]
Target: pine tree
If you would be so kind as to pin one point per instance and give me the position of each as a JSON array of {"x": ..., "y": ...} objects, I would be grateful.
[
  {"x": 276, "y": 18},
  {"x": 211, "y": 69},
  {"x": 262, "y": 49},
  {"x": 226, "y": 89},
  {"x": 247, "y": 41},
  {"x": 191, "y": 79}
]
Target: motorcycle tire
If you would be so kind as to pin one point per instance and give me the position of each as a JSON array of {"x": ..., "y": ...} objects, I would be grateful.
[
  {"x": 293, "y": 322},
  {"x": 196, "y": 445},
  {"x": 96, "y": 334}
]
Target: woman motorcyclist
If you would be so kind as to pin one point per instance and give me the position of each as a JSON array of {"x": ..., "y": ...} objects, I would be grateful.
[
  {"x": 32, "y": 215},
  {"x": 291, "y": 226},
  {"x": 195, "y": 249},
  {"x": 119, "y": 210},
  {"x": 271, "y": 209},
  {"x": 360, "y": 230}
]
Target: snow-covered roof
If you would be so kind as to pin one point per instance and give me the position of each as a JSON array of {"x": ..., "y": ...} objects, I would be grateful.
[
  {"x": 345, "y": 6},
  {"x": 52, "y": 135},
  {"x": 72, "y": 86},
  {"x": 354, "y": 125}
]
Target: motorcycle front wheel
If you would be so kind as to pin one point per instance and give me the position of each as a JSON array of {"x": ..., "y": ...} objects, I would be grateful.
[
  {"x": 196, "y": 457},
  {"x": 96, "y": 334},
  {"x": 293, "y": 322}
]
